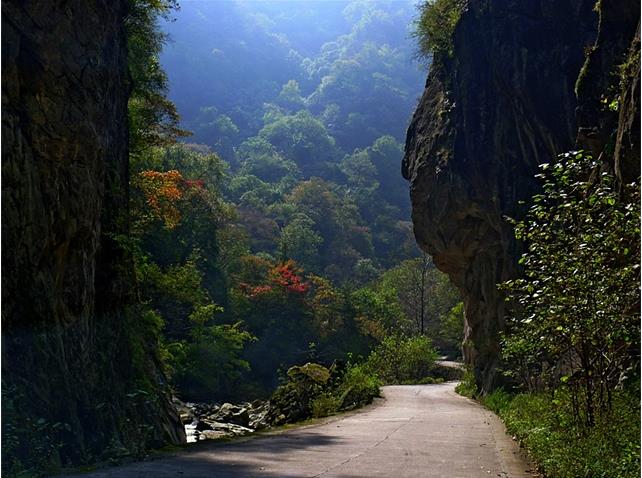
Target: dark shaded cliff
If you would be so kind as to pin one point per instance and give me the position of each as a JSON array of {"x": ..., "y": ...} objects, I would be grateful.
[
  {"x": 502, "y": 104},
  {"x": 73, "y": 371},
  {"x": 608, "y": 90}
]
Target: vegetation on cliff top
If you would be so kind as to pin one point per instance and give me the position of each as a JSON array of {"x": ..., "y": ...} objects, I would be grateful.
[{"x": 434, "y": 27}]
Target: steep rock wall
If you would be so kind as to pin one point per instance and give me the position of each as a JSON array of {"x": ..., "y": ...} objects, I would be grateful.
[
  {"x": 611, "y": 76},
  {"x": 67, "y": 359},
  {"x": 502, "y": 104}
]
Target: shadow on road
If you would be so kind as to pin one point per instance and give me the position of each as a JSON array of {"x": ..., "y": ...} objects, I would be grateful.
[{"x": 244, "y": 458}]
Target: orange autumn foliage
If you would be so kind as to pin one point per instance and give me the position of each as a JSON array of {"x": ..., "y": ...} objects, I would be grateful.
[
  {"x": 163, "y": 192},
  {"x": 285, "y": 277}
]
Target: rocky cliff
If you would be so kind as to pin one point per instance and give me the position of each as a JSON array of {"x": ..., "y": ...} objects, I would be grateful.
[
  {"x": 76, "y": 386},
  {"x": 503, "y": 103},
  {"x": 608, "y": 90}
]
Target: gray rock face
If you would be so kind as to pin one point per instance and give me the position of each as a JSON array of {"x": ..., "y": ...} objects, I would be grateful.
[
  {"x": 66, "y": 279},
  {"x": 502, "y": 105}
]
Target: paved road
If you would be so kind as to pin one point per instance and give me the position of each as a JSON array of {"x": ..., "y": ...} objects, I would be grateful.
[{"x": 422, "y": 431}]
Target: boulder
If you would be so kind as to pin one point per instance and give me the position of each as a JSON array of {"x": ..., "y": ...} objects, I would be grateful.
[
  {"x": 227, "y": 428},
  {"x": 229, "y": 413}
]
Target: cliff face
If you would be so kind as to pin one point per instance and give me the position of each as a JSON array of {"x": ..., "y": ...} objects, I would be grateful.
[
  {"x": 608, "y": 91},
  {"x": 68, "y": 361},
  {"x": 502, "y": 104}
]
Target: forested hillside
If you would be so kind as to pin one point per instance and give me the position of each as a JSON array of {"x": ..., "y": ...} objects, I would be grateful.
[
  {"x": 242, "y": 69},
  {"x": 269, "y": 235}
]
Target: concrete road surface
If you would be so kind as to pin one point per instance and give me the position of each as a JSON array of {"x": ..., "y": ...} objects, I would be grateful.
[{"x": 421, "y": 431}]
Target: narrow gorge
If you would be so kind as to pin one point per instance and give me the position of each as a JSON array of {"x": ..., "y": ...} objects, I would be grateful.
[{"x": 205, "y": 228}]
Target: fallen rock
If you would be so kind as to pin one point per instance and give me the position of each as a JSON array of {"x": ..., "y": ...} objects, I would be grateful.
[
  {"x": 259, "y": 421},
  {"x": 229, "y": 428},
  {"x": 229, "y": 413},
  {"x": 209, "y": 421},
  {"x": 211, "y": 435}
]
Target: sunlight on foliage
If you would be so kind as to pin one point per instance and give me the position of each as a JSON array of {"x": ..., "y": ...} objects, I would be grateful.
[
  {"x": 577, "y": 308},
  {"x": 435, "y": 26}
]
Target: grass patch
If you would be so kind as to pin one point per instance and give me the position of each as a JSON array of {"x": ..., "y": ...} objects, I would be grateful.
[
  {"x": 544, "y": 425},
  {"x": 467, "y": 386},
  {"x": 498, "y": 401}
]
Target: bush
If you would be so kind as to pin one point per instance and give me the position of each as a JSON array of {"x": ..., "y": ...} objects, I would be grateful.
[
  {"x": 315, "y": 391},
  {"x": 467, "y": 387},
  {"x": 357, "y": 387},
  {"x": 435, "y": 26},
  {"x": 398, "y": 359},
  {"x": 325, "y": 404},
  {"x": 29, "y": 447}
]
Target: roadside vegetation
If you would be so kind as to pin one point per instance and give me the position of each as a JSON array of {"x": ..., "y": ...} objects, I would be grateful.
[
  {"x": 313, "y": 390},
  {"x": 571, "y": 347},
  {"x": 545, "y": 425}
]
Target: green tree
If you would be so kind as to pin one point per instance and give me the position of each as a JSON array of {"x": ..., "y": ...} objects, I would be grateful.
[
  {"x": 300, "y": 242},
  {"x": 381, "y": 308},
  {"x": 425, "y": 295},
  {"x": 153, "y": 119},
  {"x": 268, "y": 166},
  {"x": 217, "y": 130},
  {"x": 290, "y": 97},
  {"x": 337, "y": 221},
  {"x": 398, "y": 359},
  {"x": 208, "y": 362},
  {"x": 576, "y": 321},
  {"x": 451, "y": 331},
  {"x": 304, "y": 140}
]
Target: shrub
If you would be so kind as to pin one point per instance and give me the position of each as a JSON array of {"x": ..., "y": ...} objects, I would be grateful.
[
  {"x": 29, "y": 447},
  {"x": 467, "y": 387},
  {"x": 547, "y": 429},
  {"x": 398, "y": 359},
  {"x": 357, "y": 387},
  {"x": 435, "y": 26},
  {"x": 325, "y": 404}
]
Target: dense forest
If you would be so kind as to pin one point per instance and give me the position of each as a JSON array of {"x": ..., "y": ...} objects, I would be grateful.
[
  {"x": 276, "y": 230},
  {"x": 233, "y": 201}
]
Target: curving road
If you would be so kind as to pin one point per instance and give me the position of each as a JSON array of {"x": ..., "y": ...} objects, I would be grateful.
[{"x": 421, "y": 431}]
